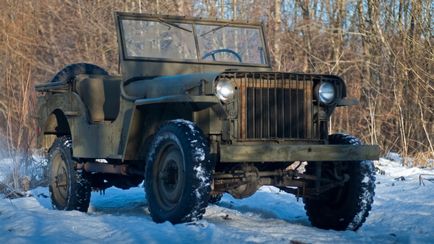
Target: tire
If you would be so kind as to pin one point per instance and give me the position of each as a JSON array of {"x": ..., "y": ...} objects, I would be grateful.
[
  {"x": 72, "y": 70},
  {"x": 69, "y": 189},
  {"x": 178, "y": 173},
  {"x": 344, "y": 207},
  {"x": 215, "y": 198}
]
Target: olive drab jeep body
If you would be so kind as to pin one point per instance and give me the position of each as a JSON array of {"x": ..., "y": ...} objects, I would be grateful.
[{"x": 198, "y": 112}]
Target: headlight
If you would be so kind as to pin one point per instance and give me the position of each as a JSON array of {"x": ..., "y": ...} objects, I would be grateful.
[
  {"x": 225, "y": 90},
  {"x": 326, "y": 93}
]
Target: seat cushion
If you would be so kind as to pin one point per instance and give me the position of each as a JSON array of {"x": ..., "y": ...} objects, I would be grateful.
[
  {"x": 101, "y": 95},
  {"x": 112, "y": 91}
]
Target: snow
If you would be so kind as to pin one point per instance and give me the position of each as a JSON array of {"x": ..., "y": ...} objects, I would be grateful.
[
  {"x": 190, "y": 124},
  {"x": 402, "y": 213},
  {"x": 365, "y": 198},
  {"x": 199, "y": 152},
  {"x": 202, "y": 176},
  {"x": 6, "y": 166}
]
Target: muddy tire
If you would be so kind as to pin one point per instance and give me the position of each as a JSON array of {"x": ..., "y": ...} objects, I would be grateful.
[
  {"x": 345, "y": 207},
  {"x": 178, "y": 173},
  {"x": 69, "y": 189}
]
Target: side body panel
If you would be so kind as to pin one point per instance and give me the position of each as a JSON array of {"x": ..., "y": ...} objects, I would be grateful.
[
  {"x": 90, "y": 140},
  {"x": 124, "y": 138}
]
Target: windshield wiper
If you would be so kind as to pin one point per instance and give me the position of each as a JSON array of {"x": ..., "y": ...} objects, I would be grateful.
[
  {"x": 215, "y": 29},
  {"x": 174, "y": 25}
]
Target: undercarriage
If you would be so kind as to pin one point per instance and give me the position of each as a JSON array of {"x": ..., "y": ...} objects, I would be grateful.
[
  {"x": 239, "y": 180},
  {"x": 245, "y": 179}
]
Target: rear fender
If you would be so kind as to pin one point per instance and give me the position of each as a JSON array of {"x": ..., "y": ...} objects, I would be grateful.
[{"x": 59, "y": 114}]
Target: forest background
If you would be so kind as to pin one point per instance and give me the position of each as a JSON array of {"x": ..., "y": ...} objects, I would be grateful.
[{"x": 382, "y": 49}]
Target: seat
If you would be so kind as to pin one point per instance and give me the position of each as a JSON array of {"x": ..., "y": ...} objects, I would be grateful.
[{"x": 101, "y": 95}]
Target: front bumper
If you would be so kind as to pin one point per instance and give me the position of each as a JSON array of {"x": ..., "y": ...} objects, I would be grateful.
[{"x": 269, "y": 152}]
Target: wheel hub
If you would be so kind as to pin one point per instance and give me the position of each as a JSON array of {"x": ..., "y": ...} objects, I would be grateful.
[
  {"x": 59, "y": 178},
  {"x": 170, "y": 177}
]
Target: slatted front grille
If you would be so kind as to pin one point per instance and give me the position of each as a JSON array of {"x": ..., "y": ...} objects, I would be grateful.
[
  {"x": 274, "y": 106},
  {"x": 275, "y": 113}
]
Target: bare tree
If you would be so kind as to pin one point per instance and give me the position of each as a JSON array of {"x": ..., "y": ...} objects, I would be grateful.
[{"x": 383, "y": 49}]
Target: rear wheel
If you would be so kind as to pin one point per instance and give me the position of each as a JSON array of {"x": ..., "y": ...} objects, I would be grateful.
[
  {"x": 178, "y": 173},
  {"x": 69, "y": 189},
  {"x": 344, "y": 207}
]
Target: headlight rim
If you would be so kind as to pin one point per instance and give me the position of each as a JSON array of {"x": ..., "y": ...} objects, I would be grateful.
[
  {"x": 321, "y": 98},
  {"x": 225, "y": 98}
]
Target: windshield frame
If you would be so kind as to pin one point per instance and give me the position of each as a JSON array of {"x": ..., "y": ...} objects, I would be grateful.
[{"x": 193, "y": 21}]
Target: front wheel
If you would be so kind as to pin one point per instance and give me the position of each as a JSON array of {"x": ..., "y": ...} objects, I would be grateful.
[
  {"x": 178, "y": 173},
  {"x": 345, "y": 207}
]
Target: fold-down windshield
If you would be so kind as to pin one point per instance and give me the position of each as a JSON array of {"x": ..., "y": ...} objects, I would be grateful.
[{"x": 194, "y": 42}]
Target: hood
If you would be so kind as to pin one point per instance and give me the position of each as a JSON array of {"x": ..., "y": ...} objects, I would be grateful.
[{"x": 166, "y": 85}]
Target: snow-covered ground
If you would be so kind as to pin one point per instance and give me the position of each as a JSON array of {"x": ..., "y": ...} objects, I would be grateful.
[{"x": 403, "y": 212}]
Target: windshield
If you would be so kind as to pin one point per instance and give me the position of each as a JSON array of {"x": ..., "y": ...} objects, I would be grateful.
[
  {"x": 158, "y": 40},
  {"x": 161, "y": 39},
  {"x": 230, "y": 44}
]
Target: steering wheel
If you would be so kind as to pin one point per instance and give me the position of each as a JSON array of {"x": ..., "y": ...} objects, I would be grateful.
[{"x": 223, "y": 50}]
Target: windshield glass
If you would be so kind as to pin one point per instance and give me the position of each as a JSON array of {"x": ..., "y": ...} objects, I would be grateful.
[
  {"x": 161, "y": 39},
  {"x": 154, "y": 39},
  {"x": 230, "y": 44}
]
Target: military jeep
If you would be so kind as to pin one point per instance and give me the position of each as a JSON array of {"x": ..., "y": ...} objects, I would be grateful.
[{"x": 198, "y": 112}]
